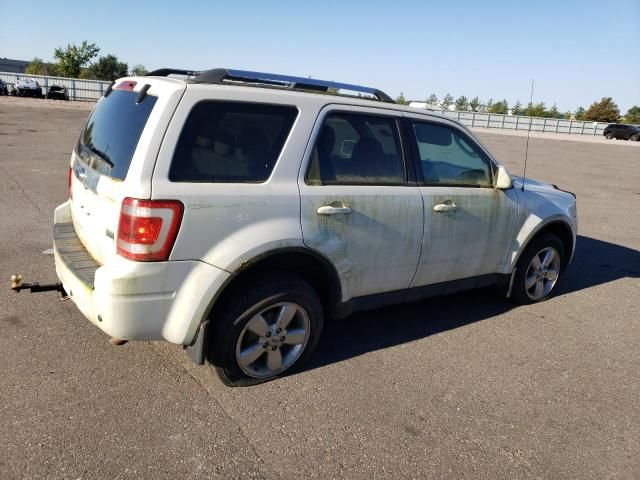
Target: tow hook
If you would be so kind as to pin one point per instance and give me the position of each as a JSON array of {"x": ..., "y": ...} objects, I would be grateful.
[{"x": 35, "y": 287}]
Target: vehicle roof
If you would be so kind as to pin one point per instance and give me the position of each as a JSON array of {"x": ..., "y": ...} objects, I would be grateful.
[{"x": 254, "y": 90}]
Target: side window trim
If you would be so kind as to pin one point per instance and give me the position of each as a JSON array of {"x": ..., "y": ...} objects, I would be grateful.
[
  {"x": 410, "y": 119},
  {"x": 405, "y": 153}
]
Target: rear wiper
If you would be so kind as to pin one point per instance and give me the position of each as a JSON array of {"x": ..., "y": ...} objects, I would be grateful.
[{"x": 100, "y": 154}]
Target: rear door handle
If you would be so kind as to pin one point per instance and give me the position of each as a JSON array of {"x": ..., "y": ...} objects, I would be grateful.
[
  {"x": 447, "y": 206},
  {"x": 331, "y": 210}
]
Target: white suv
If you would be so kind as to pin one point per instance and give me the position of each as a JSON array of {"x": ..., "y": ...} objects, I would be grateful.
[{"x": 232, "y": 212}]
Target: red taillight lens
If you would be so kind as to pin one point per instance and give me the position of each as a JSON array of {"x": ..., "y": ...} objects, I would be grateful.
[
  {"x": 70, "y": 177},
  {"x": 148, "y": 229}
]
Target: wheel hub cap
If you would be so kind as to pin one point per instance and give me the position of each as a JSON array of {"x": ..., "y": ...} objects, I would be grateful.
[
  {"x": 272, "y": 340},
  {"x": 542, "y": 273}
]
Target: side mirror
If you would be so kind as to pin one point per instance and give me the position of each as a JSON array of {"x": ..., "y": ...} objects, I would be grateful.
[{"x": 503, "y": 179}]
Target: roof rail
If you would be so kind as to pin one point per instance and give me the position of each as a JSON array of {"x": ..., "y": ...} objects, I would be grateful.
[{"x": 220, "y": 75}]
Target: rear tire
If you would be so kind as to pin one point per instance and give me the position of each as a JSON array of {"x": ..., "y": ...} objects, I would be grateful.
[
  {"x": 538, "y": 270},
  {"x": 265, "y": 329}
]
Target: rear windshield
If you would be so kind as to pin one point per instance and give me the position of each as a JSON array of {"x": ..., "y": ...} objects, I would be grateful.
[
  {"x": 112, "y": 132},
  {"x": 231, "y": 142}
]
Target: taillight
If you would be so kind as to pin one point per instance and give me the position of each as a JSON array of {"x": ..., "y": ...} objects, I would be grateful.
[
  {"x": 70, "y": 177},
  {"x": 148, "y": 229}
]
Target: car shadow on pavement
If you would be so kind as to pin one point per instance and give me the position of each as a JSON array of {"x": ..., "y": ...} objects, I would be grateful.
[{"x": 595, "y": 263}]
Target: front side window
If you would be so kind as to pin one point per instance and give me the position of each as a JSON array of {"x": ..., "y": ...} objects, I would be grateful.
[
  {"x": 448, "y": 157},
  {"x": 357, "y": 149},
  {"x": 231, "y": 142}
]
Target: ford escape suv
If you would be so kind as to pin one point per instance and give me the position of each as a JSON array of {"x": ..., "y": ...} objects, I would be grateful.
[{"x": 233, "y": 212}]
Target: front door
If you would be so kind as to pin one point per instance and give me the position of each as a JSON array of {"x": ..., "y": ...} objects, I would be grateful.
[
  {"x": 469, "y": 224},
  {"x": 358, "y": 206}
]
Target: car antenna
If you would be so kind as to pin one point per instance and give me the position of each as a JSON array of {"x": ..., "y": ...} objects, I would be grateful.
[{"x": 526, "y": 150}]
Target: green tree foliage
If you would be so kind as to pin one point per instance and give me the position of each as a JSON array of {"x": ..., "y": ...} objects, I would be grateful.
[
  {"x": 535, "y": 110},
  {"x": 474, "y": 104},
  {"x": 400, "y": 100},
  {"x": 73, "y": 58},
  {"x": 446, "y": 101},
  {"x": 567, "y": 115},
  {"x": 462, "y": 103},
  {"x": 633, "y": 115},
  {"x": 499, "y": 107},
  {"x": 517, "y": 108},
  {"x": 139, "y": 70},
  {"x": 580, "y": 111},
  {"x": 553, "y": 112},
  {"x": 37, "y": 67},
  {"x": 605, "y": 110},
  {"x": 109, "y": 68},
  {"x": 433, "y": 99}
]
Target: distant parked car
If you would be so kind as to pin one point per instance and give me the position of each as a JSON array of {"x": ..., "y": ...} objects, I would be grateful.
[
  {"x": 56, "y": 92},
  {"x": 27, "y": 88},
  {"x": 625, "y": 132},
  {"x": 3, "y": 88}
]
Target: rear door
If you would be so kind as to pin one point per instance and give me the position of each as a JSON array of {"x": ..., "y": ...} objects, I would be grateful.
[
  {"x": 360, "y": 206},
  {"x": 469, "y": 224},
  {"x": 115, "y": 155}
]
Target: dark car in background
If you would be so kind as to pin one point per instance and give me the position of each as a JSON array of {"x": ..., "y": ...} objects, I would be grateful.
[
  {"x": 57, "y": 92},
  {"x": 625, "y": 132},
  {"x": 4, "y": 90}
]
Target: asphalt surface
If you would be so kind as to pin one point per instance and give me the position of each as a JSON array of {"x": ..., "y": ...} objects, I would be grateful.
[{"x": 465, "y": 386}]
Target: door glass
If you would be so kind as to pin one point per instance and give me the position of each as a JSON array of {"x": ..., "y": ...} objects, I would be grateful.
[
  {"x": 357, "y": 149},
  {"x": 449, "y": 157}
]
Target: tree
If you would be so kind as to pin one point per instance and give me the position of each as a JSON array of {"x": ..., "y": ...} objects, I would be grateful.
[
  {"x": 432, "y": 100},
  {"x": 109, "y": 68},
  {"x": 73, "y": 58},
  {"x": 474, "y": 104},
  {"x": 139, "y": 70},
  {"x": 37, "y": 67},
  {"x": 632, "y": 115},
  {"x": 580, "y": 111},
  {"x": 537, "y": 110},
  {"x": 605, "y": 110},
  {"x": 517, "y": 108},
  {"x": 499, "y": 107},
  {"x": 400, "y": 100},
  {"x": 446, "y": 101},
  {"x": 567, "y": 115},
  {"x": 462, "y": 104},
  {"x": 553, "y": 112}
]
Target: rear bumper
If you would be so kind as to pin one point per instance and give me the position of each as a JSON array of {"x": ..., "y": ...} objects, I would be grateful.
[{"x": 134, "y": 300}]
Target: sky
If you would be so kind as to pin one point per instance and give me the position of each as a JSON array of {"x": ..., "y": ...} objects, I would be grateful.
[{"x": 577, "y": 51}]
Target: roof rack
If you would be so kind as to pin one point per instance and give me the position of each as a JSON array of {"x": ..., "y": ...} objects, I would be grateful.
[{"x": 222, "y": 75}]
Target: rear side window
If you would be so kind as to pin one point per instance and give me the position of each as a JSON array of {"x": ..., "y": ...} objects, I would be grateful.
[
  {"x": 112, "y": 132},
  {"x": 231, "y": 142},
  {"x": 357, "y": 149}
]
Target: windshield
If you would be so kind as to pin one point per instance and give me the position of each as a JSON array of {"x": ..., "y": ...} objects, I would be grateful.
[{"x": 113, "y": 129}]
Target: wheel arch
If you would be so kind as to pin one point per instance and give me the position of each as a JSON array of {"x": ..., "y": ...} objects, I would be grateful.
[
  {"x": 309, "y": 264},
  {"x": 558, "y": 227}
]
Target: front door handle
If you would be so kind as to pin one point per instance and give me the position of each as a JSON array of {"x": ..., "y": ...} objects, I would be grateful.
[
  {"x": 447, "y": 206},
  {"x": 331, "y": 210}
]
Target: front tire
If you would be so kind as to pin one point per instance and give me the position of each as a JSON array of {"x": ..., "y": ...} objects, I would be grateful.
[
  {"x": 266, "y": 329},
  {"x": 538, "y": 270}
]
